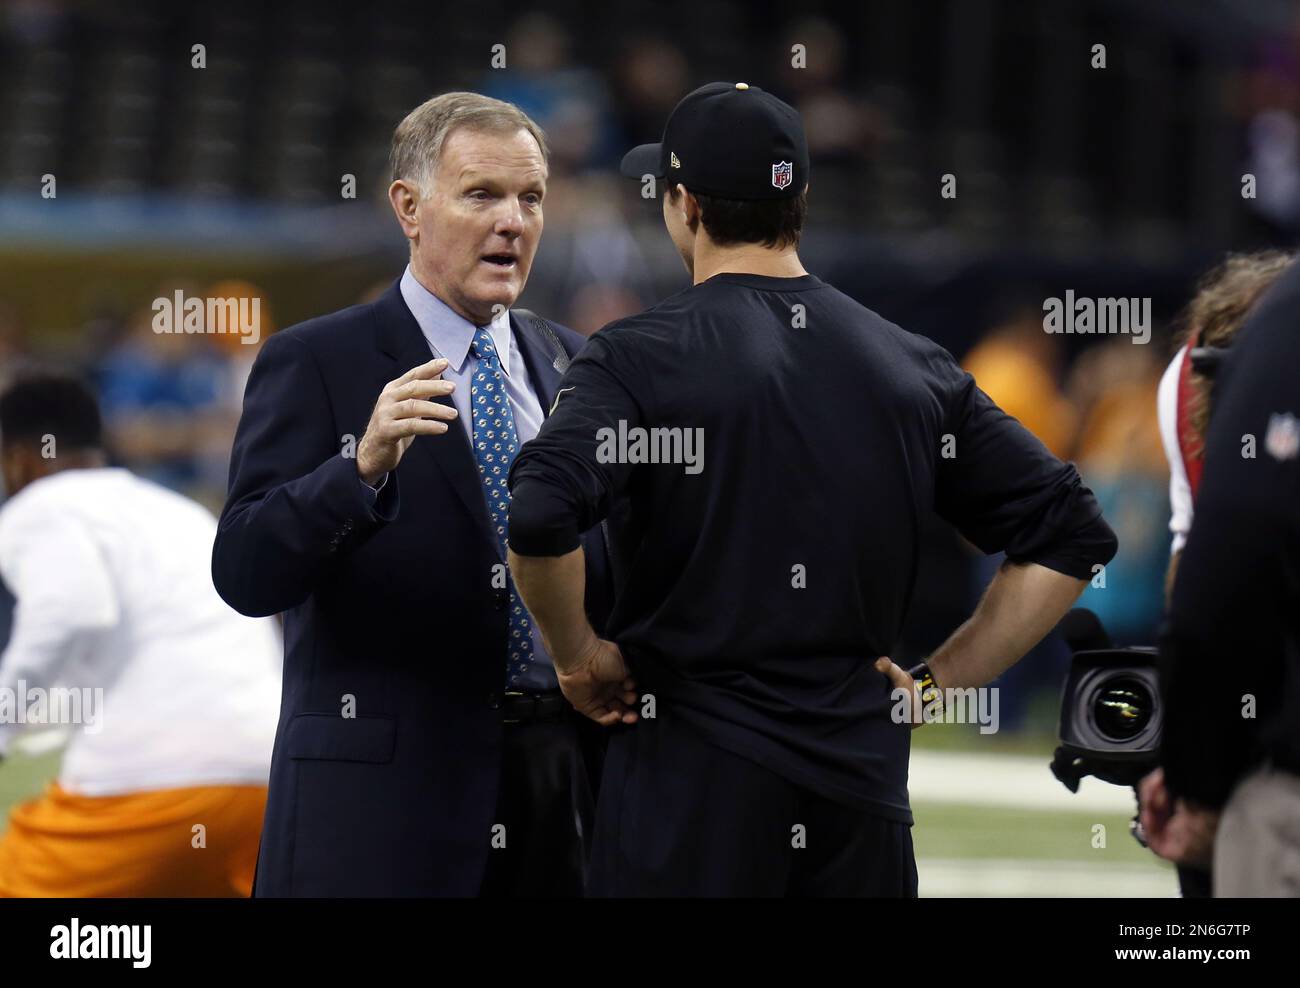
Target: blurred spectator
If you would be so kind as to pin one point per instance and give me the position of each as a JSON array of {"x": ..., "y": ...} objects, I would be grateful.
[
  {"x": 569, "y": 101},
  {"x": 1121, "y": 458},
  {"x": 239, "y": 355},
  {"x": 844, "y": 129},
  {"x": 588, "y": 244},
  {"x": 162, "y": 396},
  {"x": 651, "y": 77},
  {"x": 13, "y": 340},
  {"x": 1272, "y": 96},
  {"x": 1018, "y": 365},
  {"x": 598, "y": 304}
]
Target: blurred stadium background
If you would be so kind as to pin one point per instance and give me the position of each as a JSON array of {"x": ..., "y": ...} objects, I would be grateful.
[{"x": 1119, "y": 181}]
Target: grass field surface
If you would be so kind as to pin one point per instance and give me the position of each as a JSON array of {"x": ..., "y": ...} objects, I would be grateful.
[{"x": 990, "y": 820}]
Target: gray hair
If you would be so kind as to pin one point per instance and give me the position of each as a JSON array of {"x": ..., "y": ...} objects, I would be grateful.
[{"x": 419, "y": 138}]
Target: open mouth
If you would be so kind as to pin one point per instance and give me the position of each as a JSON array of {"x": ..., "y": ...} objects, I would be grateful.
[{"x": 501, "y": 260}]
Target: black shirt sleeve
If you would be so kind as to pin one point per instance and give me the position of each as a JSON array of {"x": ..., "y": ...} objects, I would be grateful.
[
  {"x": 1004, "y": 491},
  {"x": 563, "y": 482}
]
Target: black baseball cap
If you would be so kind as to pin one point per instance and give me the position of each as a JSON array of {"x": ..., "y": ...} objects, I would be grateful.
[{"x": 731, "y": 140}]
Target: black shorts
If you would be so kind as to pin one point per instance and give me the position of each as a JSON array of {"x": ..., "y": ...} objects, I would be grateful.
[{"x": 678, "y": 816}]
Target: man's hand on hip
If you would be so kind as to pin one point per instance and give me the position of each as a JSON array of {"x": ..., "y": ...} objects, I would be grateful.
[
  {"x": 600, "y": 685},
  {"x": 403, "y": 412},
  {"x": 905, "y": 689}
]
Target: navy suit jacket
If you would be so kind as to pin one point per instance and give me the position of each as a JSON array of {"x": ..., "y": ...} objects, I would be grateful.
[{"x": 387, "y": 754}]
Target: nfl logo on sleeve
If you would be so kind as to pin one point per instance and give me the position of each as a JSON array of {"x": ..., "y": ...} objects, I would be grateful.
[
  {"x": 1283, "y": 437},
  {"x": 782, "y": 174}
]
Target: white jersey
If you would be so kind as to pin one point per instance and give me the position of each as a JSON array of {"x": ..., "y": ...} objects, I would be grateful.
[
  {"x": 1180, "y": 491},
  {"x": 113, "y": 579}
]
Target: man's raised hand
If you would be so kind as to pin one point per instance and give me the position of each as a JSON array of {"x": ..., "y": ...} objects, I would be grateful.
[{"x": 403, "y": 412}]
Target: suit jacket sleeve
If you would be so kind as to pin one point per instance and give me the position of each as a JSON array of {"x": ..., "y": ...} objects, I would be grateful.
[{"x": 295, "y": 502}]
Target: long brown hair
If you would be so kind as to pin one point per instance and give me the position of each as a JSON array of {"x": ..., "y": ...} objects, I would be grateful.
[{"x": 1223, "y": 300}]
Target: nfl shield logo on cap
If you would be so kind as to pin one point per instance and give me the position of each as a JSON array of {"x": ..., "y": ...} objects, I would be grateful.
[{"x": 782, "y": 174}]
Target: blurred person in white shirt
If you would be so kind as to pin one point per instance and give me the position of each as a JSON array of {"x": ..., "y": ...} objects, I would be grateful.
[{"x": 170, "y": 697}]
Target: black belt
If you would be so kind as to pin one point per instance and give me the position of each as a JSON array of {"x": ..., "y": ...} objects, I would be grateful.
[{"x": 530, "y": 708}]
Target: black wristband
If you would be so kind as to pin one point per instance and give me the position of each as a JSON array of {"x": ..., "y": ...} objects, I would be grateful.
[{"x": 925, "y": 682}]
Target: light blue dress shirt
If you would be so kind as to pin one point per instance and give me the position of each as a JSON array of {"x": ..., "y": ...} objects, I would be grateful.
[{"x": 449, "y": 336}]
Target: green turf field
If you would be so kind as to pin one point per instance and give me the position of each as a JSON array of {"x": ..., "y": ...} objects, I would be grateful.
[
  {"x": 23, "y": 776},
  {"x": 989, "y": 821}
]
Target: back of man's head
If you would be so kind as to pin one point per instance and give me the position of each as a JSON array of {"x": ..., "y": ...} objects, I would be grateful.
[
  {"x": 742, "y": 157},
  {"x": 772, "y": 223},
  {"x": 48, "y": 421}
]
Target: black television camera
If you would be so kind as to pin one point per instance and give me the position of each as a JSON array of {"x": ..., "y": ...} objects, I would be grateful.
[{"x": 1111, "y": 715}]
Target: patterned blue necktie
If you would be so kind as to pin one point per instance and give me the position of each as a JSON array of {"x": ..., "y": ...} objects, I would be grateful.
[{"x": 495, "y": 446}]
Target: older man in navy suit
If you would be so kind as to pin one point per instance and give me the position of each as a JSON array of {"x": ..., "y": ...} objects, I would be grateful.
[{"x": 423, "y": 745}]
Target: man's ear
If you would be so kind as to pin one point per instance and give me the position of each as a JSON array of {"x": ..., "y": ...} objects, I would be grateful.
[
  {"x": 691, "y": 207},
  {"x": 404, "y": 197}
]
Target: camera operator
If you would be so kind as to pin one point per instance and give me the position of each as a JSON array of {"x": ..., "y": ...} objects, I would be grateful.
[
  {"x": 1223, "y": 300},
  {"x": 1229, "y": 788}
]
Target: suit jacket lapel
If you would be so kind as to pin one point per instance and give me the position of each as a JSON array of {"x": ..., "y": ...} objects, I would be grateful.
[
  {"x": 539, "y": 358},
  {"x": 451, "y": 453}
]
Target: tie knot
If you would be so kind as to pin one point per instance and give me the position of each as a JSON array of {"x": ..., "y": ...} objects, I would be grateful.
[{"x": 482, "y": 344}]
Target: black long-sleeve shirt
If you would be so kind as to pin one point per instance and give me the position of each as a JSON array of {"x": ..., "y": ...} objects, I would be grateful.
[
  {"x": 758, "y": 583},
  {"x": 1230, "y": 649}
]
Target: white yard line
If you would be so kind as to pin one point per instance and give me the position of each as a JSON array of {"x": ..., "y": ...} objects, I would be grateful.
[
  {"x": 1011, "y": 877},
  {"x": 1013, "y": 781},
  {"x": 35, "y": 742}
]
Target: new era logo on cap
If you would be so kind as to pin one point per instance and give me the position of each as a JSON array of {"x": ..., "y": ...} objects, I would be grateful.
[{"x": 735, "y": 142}]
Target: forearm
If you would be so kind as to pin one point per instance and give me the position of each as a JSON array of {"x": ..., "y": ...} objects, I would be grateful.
[
  {"x": 35, "y": 663},
  {"x": 1022, "y": 604},
  {"x": 33, "y": 660},
  {"x": 553, "y": 589}
]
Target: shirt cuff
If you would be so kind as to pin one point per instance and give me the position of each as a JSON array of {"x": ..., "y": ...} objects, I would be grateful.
[
  {"x": 1092, "y": 545},
  {"x": 542, "y": 522}
]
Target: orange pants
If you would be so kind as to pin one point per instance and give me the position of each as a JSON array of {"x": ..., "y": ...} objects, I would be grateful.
[{"x": 168, "y": 843}]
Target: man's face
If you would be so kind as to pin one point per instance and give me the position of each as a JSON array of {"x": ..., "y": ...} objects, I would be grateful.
[{"x": 477, "y": 227}]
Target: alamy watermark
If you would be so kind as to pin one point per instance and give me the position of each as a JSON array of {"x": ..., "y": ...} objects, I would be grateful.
[
  {"x": 1100, "y": 316},
  {"x": 102, "y": 941},
  {"x": 657, "y": 445},
  {"x": 969, "y": 705},
  {"x": 236, "y": 316},
  {"x": 20, "y": 704}
]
